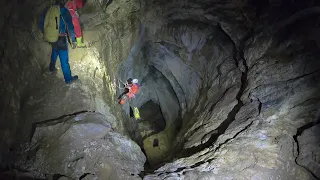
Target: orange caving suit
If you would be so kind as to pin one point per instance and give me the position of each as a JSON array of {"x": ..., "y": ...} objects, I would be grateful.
[{"x": 133, "y": 90}]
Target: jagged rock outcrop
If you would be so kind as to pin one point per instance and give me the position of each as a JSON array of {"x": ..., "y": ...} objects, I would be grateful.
[
  {"x": 248, "y": 132},
  {"x": 308, "y": 149},
  {"x": 83, "y": 144}
]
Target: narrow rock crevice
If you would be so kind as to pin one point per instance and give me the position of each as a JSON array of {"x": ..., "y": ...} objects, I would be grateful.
[
  {"x": 232, "y": 114},
  {"x": 209, "y": 112},
  {"x": 56, "y": 176},
  {"x": 237, "y": 54},
  {"x": 260, "y": 106},
  {"x": 227, "y": 140},
  {"x": 295, "y": 137},
  {"x": 60, "y": 119},
  {"x": 215, "y": 150},
  {"x": 306, "y": 168},
  {"x": 309, "y": 100},
  {"x": 53, "y": 121},
  {"x": 85, "y": 175},
  {"x": 234, "y": 47},
  {"x": 222, "y": 127}
]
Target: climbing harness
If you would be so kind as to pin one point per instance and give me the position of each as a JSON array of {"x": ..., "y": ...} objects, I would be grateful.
[{"x": 133, "y": 90}]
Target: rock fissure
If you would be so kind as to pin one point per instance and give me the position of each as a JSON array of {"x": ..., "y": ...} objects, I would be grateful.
[
  {"x": 210, "y": 110},
  {"x": 226, "y": 141},
  {"x": 85, "y": 175},
  {"x": 221, "y": 97},
  {"x": 56, "y": 176},
  {"x": 169, "y": 42},
  {"x": 77, "y": 158},
  {"x": 234, "y": 47},
  {"x": 300, "y": 130},
  {"x": 306, "y": 168},
  {"x": 295, "y": 137},
  {"x": 53, "y": 121},
  {"x": 224, "y": 125},
  {"x": 60, "y": 119},
  {"x": 180, "y": 169},
  {"x": 260, "y": 106},
  {"x": 232, "y": 114},
  {"x": 304, "y": 102}
]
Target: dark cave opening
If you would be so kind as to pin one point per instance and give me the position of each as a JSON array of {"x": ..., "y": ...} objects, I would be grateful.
[
  {"x": 151, "y": 118},
  {"x": 131, "y": 112},
  {"x": 152, "y": 122}
]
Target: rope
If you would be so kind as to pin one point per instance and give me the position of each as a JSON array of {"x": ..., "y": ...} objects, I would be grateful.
[{"x": 125, "y": 84}]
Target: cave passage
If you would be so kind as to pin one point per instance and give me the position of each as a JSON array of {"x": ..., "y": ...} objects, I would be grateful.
[
  {"x": 151, "y": 114},
  {"x": 227, "y": 90}
]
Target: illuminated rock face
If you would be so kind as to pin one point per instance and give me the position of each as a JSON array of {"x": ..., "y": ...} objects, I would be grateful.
[
  {"x": 84, "y": 143},
  {"x": 235, "y": 86}
]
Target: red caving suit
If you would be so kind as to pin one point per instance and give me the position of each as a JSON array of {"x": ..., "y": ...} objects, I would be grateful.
[{"x": 72, "y": 6}]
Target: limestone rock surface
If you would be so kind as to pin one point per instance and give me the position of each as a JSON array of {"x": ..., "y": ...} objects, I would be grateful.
[
  {"x": 236, "y": 83},
  {"x": 83, "y": 145}
]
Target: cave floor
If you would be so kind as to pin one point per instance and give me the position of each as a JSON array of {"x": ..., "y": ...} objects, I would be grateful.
[{"x": 53, "y": 98}]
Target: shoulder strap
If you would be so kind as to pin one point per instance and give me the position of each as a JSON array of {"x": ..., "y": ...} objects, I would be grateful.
[{"x": 65, "y": 25}]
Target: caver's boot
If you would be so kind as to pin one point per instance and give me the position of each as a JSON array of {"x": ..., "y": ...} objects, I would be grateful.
[
  {"x": 52, "y": 68},
  {"x": 80, "y": 43},
  {"x": 74, "y": 78}
]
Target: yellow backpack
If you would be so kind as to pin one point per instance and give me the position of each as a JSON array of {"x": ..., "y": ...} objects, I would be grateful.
[
  {"x": 52, "y": 24},
  {"x": 136, "y": 113}
]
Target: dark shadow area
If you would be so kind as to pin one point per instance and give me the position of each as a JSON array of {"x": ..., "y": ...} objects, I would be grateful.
[
  {"x": 151, "y": 114},
  {"x": 13, "y": 173},
  {"x": 155, "y": 142},
  {"x": 131, "y": 112}
]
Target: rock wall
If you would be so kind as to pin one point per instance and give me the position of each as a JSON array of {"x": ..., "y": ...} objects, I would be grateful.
[
  {"x": 22, "y": 59},
  {"x": 237, "y": 84},
  {"x": 34, "y": 95},
  {"x": 260, "y": 95},
  {"x": 82, "y": 145}
]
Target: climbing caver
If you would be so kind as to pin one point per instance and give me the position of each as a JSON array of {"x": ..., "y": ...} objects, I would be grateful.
[
  {"x": 55, "y": 23},
  {"x": 131, "y": 89},
  {"x": 72, "y": 6}
]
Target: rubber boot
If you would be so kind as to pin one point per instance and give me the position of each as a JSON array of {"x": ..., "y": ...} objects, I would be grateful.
[
  {"x": 74, "y": 78},
  {"x": 80, "y": 44}
]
